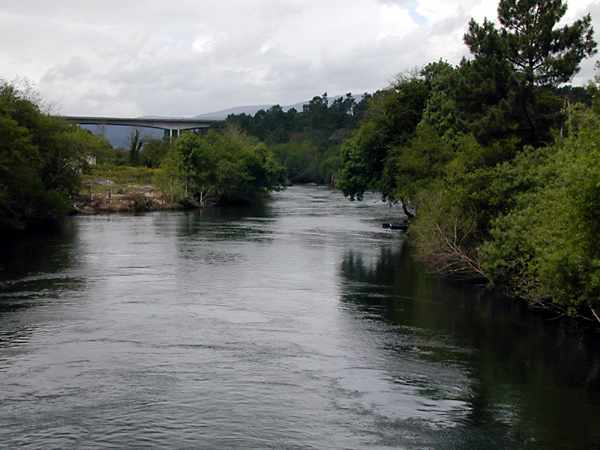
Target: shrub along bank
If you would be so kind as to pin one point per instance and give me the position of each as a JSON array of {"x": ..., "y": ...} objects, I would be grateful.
[
  {"x": 50, "y": 168},
  {"x": 41, "y": 160},
  {"x": 497, "y": 160},
  {"x": 226, "y": 167}
]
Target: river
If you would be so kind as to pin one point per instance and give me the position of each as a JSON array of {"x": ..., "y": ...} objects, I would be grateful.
[{"x": 296, "y": 324}]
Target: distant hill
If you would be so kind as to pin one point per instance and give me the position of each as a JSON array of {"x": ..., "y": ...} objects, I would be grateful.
[
  {"x": 223, "y": 114},
  {"x": 250, "y": 110},
  {"x": 253, "y": 109}
]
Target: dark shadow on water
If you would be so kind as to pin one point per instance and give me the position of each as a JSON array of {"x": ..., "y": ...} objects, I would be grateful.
[
  {"x": 533, "y": 383},
  {"x": 35, "y": 269},
  {"x": 42, "y": 252},
  {"x": 226, "y": 223}
]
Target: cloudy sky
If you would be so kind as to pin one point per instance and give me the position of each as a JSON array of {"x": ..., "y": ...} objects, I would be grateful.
[{"x": 186, "y": 57}]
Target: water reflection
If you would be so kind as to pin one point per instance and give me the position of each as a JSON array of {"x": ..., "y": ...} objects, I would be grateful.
[
  {"x": 34, "y": 273},
  {"x": 40, "y": 253},
  {"x": 519, "y": 367},
  {"x": 225, "y": 224}
]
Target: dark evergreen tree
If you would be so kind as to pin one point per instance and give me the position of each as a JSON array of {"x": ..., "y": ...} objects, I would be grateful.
[{"x": 539, "y": 56}]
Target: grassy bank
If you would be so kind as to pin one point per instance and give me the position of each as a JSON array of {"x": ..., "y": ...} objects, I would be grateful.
[{"x": 122, "y": 189}]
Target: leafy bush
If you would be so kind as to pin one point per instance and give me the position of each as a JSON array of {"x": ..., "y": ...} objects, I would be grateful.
[
  {"x": 227, "y": 167},
  {"x": 307, "y": 162},
  {"x": 445, "y": 232},
  {"x": 41, "y": 159},
  {"x": 123, "y": 175},
  {"x": 153, "y": 152},
  {"x": 477, "y": 152},
  {"x": 548, "y": 248}
]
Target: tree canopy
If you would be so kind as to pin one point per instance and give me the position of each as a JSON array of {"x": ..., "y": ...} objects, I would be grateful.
[
  {"x": 306, "y": 142},
  {"x": 492, "y": 158},
  {"x": 41, "y": 159},
  {"x": 221, "y": 167},
  {"x": 539, "y": 55}
]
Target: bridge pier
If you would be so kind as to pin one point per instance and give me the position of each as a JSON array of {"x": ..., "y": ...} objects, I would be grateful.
[{"x": 171, "y": 134}]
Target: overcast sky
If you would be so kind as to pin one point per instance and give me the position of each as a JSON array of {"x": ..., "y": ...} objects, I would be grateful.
[{"x": 186, "y": 57}]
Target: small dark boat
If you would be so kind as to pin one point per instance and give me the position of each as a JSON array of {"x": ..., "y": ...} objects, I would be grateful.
[{"x": 396, "y": 226}]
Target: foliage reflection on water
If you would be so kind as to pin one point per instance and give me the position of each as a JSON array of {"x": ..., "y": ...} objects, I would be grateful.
[{"x": 528, "y": 376}]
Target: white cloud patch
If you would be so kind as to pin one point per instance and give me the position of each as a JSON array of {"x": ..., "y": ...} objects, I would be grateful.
[
  {"x": 186, "y": 57},
  {"x": 203, "y": 44},
  {"x": 395, "y": 20}
]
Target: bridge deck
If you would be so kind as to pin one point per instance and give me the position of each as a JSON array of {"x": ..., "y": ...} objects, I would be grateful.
[{"x": 160, "y": 123}]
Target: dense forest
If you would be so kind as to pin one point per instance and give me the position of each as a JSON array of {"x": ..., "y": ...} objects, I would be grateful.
[
  {"x": 307, "y": 142},
  {"x": 496, "y": 159}
]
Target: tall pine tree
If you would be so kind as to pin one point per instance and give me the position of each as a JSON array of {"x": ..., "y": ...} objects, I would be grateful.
[{"x": 540, "y": 54}]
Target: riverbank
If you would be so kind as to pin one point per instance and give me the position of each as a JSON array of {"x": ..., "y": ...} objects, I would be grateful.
[
  {"x": 113, "y": 189},
  {"x": 136, "y": 198},
  {"x": 543, "y": 308},
  {"x": 101, "y": 195}
]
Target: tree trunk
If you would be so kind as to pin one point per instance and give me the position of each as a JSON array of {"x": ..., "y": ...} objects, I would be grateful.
[{"x": 408, "y": 213}]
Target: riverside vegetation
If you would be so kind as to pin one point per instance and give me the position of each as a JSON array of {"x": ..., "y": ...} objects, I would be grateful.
[
  {"x": 41, "y": 159},
  {"x": 50, "y": 168},
  {"x": 307, "y": 142},
  {"x": 496, "y": 160}
]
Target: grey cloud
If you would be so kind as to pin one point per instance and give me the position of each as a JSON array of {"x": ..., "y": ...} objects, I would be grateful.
[
  {"x": 75, "y": 69},
  {"x": 117, "y": 57}
]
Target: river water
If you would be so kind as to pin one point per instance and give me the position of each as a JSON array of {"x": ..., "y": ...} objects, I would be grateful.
[{"x": 297, "y": 324}]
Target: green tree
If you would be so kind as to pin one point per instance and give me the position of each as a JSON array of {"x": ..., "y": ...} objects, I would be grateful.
[
  {"x": 135, "y": 147},
  {"x": 540, "y": 55},
  {"x": 221, "y": 167},
  {"x": 300, "y": 158},
  {"x": 170, "y": 179},
  {"x": 546, "y": 247},
  {"x": 594, "y": 89},
  {"x": 318, "y": 130},
  {"x": 368, "y": 156},
  {"x": 153, "y": 152},
  {"x": 41, "y": 159}
]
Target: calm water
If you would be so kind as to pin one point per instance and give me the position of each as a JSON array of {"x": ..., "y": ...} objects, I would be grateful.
[{"x": 299, "y": 324}]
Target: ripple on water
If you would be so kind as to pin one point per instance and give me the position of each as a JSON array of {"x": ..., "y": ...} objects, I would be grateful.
[{"x": 297, "y": 324}]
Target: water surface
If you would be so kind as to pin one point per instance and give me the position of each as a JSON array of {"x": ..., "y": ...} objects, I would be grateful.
[{"x": 296, "y": 324}]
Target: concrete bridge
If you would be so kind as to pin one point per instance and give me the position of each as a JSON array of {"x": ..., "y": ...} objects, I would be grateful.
[{"x": 171, "y": 127}]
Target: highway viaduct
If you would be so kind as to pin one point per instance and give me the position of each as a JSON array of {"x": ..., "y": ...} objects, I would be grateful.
[{"x": 172, "y": 127}]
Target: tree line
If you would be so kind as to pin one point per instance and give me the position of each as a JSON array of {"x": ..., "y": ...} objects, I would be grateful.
[
  {"x": 496, "y": 159},
  {"x": 307, "y": 142},
  {"x": 43, "y": 160}
]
